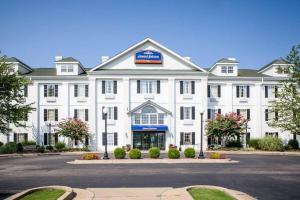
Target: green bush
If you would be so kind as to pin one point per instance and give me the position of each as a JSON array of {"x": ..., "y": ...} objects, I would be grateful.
[
  {"x": 293, "y": 144},
  {"x": 173, "y": 154},
  {"x": 19, "y": 148},
  {"x": 189, "y": 153},
  {"x": 1, "y": 144},
  {"x": 254, "y": 143},
  {"x": 50, "y": 148},
  {"x": 154, "y": 152},
  {"x": 119, "y": 153},
  {"x": 28, "y": 143},
  {"x": 60, "y": 145},
  {"x": 234, "y": 143},
  {"x": 10, "y": 147},
  {"x": 270, "y": 143},
  {"x": 135, "y": 154},
  {"x": 40, "y": 149}
]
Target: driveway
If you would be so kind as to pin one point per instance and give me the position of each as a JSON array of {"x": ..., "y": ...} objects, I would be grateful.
[{"x": 264, "y": 177}]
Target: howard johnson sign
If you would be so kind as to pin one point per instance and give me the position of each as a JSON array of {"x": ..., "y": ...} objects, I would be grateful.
[{"x": 148, "y": 57}]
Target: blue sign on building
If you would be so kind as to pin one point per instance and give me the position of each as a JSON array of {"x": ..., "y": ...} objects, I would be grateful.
[
  {"x": 148, "y": 57},
  {"x": 149, "y": 127}
]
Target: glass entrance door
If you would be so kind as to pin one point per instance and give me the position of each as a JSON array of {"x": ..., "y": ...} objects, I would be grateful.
[{"x": 144, "y": 140}]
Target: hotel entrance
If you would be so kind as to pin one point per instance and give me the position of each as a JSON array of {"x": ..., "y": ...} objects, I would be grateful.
[{"x": 144, "y": 140}]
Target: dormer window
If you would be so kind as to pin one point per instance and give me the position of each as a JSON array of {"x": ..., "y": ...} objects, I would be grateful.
[
  {"x": 281, "y": 70},
  {"x": 226, "y": 69},
  {"x": 67, "y": 68}
]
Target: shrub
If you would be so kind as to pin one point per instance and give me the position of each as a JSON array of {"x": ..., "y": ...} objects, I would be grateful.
[
  {"x": 28, "y": 143},
  {"x": 189, "y": 153},
  {"x": 60, "y": 145},
  {"x": 50, "y": 148},
  {"x": 135, "y": 154},
  {"x": 234, "y": 143},
  {"x": 10, "y": 147},
  {"x": 215, "y": 155},
  {"x": 19, "y": 147},
  {"x": 154, "y": 152},
  {"x": 254, "y": 143},
  {"x": 293, "y": 144},
  {"x": 90, "y": 156},
  {"x": 40, "y": 149},
  {"x": 119, "y": 153},
  {"x": 173, "y": 154},
  {"x": 270, "y": 143},
  {"x": 1, "y": 144}
]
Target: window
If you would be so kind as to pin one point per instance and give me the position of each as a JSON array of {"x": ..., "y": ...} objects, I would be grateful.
[
  {"x": 149, "y": 115},
  {"x": 148, "y": 86},
  {"x": 109, "y": 87},
  {"x": 67, "y": 68},
  {"x": 50, "y": 90},
  {"x": 211, "y": 113},
  {"x": 110, "y": 113},
  {"x": 243, "y": 91},
  {"x": 269, "y": 115},
  {"x": 137, "y": 119},
  {"x": 145, "y": 119},
  {"x": 273, "y": 134},
  {"x": 81, "y": 90},
  {"x": 160, "y": 118},
  {"x": 213, "y": 91},
  {"x": 187, "y": 87},
  {"x": 245, "y": 113},
  {"x": 271, "y": 91},
  {"x": 110, "y": 139},
  {"x": 224, "y": 69},
  {"x": 50, "y": 115},
  {"x": 20, "y": 137},
  {"x": 187, "y": 138},
  {"x": 81, "y": 114},
  {"x": 187, "y": 112}
]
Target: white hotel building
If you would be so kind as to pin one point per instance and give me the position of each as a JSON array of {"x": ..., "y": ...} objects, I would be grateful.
[{"x": 153, "y": 96}]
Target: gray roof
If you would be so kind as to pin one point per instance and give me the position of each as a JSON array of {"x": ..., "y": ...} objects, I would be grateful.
[
  {"x": 279, "y": 61},
  {"x": 68, "y": 59},
  {"x": 14, "y": 59},
  {"x": 226, "y": 60},
  {"x": 250, "y": 73}
]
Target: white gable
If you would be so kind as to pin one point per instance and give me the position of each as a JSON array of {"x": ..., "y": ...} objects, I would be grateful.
[
  {"x": 273, "y": 70},
  {"x": 170, "y": 60}
]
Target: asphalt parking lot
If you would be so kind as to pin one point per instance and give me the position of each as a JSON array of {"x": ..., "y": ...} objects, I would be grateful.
[{"x": 264, "y": 177}]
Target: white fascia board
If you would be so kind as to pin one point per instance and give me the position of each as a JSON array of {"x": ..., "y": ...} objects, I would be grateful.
[{"x": 142, "y": 42}]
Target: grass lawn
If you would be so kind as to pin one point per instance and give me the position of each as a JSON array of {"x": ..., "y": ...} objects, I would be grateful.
[
  {"x": 208, "y": 194},
  {"x": 47, "y": 193}
]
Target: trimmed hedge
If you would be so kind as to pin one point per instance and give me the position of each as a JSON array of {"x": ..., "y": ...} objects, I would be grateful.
[
  {"x": 20, "y": 148},
  {"x": 173, "y": 154},
  {"x": 119, "y": 153},
  {"x": 28, "y": 143},
  {"x": 189, "y": 153},
  {"x": 293, "y": 144},
  {"x": 154, "y": 152},
  {"x": 10, "y": 147},
  {"x": 135, "y": 154},
  {"x": 234, "y": 143},
  {"x": 60, "y": 145},
  {"x": 270, "y": 143}
]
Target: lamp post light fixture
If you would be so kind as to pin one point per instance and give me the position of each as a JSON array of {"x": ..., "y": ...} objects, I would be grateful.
[
  {"x": 201, "y": 155},
  {"x": 104, "y": 112}
]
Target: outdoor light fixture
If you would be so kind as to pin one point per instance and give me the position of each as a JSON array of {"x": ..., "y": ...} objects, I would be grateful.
[
  {"x": 104, "y": 112},
  {"x": 201, "y": 155}
]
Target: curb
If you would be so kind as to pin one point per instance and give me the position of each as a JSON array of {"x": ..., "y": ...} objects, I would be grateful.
[
  {"x": 83, "y": 194},
  {"x": 68, "y": 195},
  {"x": 275, "y": 153},
  {"x": 238, "y": 195},
  {"x": 153, "y": 161}
]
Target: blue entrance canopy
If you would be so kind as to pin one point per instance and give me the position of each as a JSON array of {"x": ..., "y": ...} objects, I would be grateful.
[{"x": 149, "y": 127}]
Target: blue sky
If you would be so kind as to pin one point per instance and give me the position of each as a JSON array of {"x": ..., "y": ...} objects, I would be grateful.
[{"x": 255, "y": 32}]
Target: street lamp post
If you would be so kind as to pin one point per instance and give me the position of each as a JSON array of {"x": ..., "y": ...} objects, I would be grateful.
[
  {"x": 201, "y": 155},
  {"x": 105, "y": 155},
  {"x": 49, "y": 136}
]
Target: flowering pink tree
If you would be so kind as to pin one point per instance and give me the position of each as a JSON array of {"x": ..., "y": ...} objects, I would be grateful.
[
  {"x": 226, "y": 126},
  {"x": 75, "y": 129}
]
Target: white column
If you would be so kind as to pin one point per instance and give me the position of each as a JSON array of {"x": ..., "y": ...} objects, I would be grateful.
[
  {"x": 127, "y": 137},
  {"x": 93, "y": 118},
  {"x": 171, "y": 119}
]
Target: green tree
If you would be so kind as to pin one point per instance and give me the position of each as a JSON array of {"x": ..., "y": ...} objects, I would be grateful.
[
  {"x": 74, "y": 129},
  {"x": 287, "y": 105},
  {"x": 226, "y": 126},
  {"x": 12, "y": 101}
]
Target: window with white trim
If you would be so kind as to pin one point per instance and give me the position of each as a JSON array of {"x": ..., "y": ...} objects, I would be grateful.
[
  {"x": 148, "y": 86},
  {"x": 226, "y": 69},
  {"x": 214, "y": 91},
  {"x": 50, "y": 90},
  {"x": 20, "y": 137},
  {"x": 243, "y": 113},
  {"x": 187, "y": 112},
  {"x": 187, "y": 87},
  {"x": 81, "y": 90},
  {"x": 109, "y": 87},
  {"x": 110, "y": 113},
  {"x": 230, "y": 69},
  {"x": 110, "y": 139},
  {"x": 67, "y": 68},
  {"x": 187, "y": 138},
  {"x": 242, "y": 91},
  {"x": 51, "y": 114}
]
